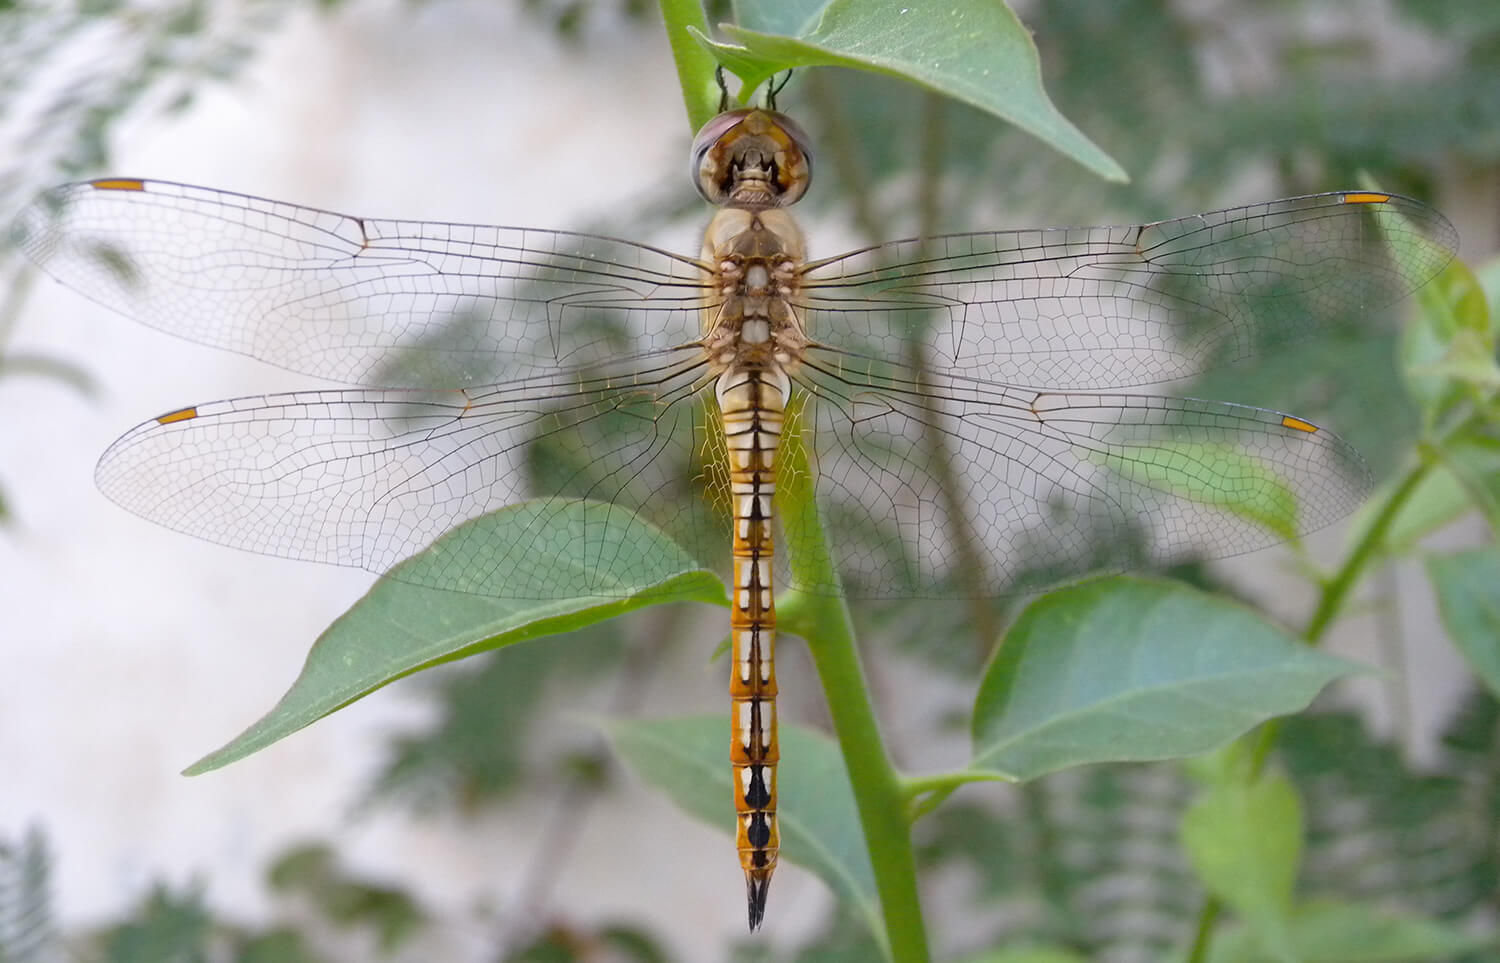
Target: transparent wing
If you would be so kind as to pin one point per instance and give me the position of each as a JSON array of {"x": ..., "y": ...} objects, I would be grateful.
[
  {"x": 351, "y": 299},
  {"x": 1114, "y": 307},
  {"x": 368, "y": 477},
  {"x": 939, "y": 473},
  {"x": 957, "y": 487},
  {"x": 949, "y": 489}
]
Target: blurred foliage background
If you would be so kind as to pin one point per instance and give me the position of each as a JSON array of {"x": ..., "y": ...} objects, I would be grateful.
[{"x": 1206, "y": 103}]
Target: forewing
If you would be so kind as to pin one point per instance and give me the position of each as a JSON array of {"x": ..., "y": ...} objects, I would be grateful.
[
  {"x": 957, "y": 488},
  {"x": 358, "y": 300},
  {"x": 369, "y": 477},
  {"x": 1113, "y": 307}
]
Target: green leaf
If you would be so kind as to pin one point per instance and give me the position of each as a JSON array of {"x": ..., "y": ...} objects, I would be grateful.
[
  {"x": 975, "y": 51},
  {"x": 688, "y": 759},
  {"x": 791, "y": 18},
  {"x": 312, "y": 871},
  {"x": 752, "y": 70},
  {"x": 1467, "y": 362},
  {"x": 278, "y": 945},
  {"x": 1244, "y": 840},
  {"x": 481, "y": 746},
  {"x": 1128, "y": 669},
  {"x": 684, "y": 22},
  {"x": 1455, "y": 302},
  {"x": 1327, "y": 932},
  {"x": 1488, "y": 276},
  {"x": 166, "y": 925},
  {"x": 1464, "y": 477},
  {"x": 1451, "y": 343},
  {"x": 1202, "y": 473},
  {"x": 1438, "y": 500},
  {"x": 1473, "y": 456},
  {"x": 1468, "y": 592},
  {"x": 400, "y": 627}
]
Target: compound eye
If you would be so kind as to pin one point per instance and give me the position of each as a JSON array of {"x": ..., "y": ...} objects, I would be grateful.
[
  {"x": 752, "y": 158},
  {"x": 711, "y": 157}
]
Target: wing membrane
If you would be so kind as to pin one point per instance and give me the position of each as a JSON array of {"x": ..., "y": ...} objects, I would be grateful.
[
  {"x": 947, "y": 488},
  {"x": 1117, "y": 307},
  {"x": 368, "y": 477},
  {"x": 959, "y": 488},
  {"x": 350, "y": 299},
  {"x": 959, "y": 444}
]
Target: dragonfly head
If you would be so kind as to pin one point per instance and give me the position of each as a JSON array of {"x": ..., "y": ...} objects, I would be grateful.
[{"x": 751, "y": 158}]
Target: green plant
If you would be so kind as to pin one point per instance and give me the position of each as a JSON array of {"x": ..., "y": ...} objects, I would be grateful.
[{"x": 27, "y": 931}]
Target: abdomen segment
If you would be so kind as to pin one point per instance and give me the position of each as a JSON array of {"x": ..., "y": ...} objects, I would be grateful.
[{"x": 751, "y": 405}]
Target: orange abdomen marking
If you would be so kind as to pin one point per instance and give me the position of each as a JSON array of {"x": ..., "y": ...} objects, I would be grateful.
[{"x": 751, "y": 406}]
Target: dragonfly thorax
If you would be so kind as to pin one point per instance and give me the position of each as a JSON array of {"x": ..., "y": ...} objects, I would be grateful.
[{"x": 754, "y": 258}]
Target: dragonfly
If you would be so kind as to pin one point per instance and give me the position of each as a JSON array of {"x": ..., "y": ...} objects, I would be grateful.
[{"x": 959, "y": 406}]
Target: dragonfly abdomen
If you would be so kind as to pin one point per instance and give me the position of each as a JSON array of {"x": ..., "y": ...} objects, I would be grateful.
[{"x": 752, "y": 402}]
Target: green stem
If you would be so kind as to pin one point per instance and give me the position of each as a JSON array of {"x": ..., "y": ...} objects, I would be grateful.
[
  {"x": 695, "y": 65},
  {"x": 1207, "y": 917},
  {"x": 878, "y": 791},
  {"x": 850, "y": 168},
  {"x": 1478, "y": 494},
  {"x": 1331, "y": 598},
  {"x": 948, "y": 782},
  {"x": 823, "y": 620},
  {"x": 926, "y": 793},
  {"x": 1338, "y": 588},
  {"x": 41, "y": 366}
]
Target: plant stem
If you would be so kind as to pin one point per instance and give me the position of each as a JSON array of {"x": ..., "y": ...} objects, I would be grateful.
[
  {"x": 1331, "y": 598},
  {"x": 1204, "y": 935},
  {"x": 695, "y": 66},
  {"x": 561, "y": 830},
  {"x": 1337, "y": 589},
  {"x": 924, "y": 793},
  {"x": 878, "y": 791},
  {"x": 823, "y": 620},
  {"x": 850, "y": 169}
]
